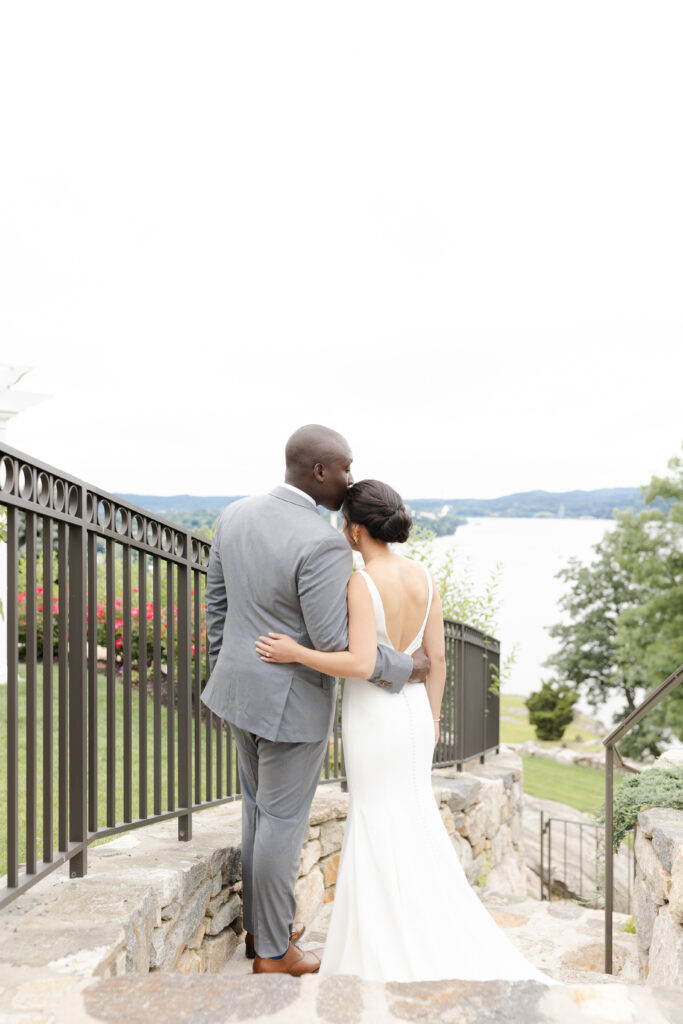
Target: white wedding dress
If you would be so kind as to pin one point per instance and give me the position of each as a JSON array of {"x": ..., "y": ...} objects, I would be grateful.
[{"x": 403, "y": 908}]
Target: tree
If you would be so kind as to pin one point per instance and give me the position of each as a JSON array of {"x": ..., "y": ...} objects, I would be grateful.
[
  {"x": 588, "y": 655},
  {"x": 551, "y": 709},
  {"x": 625, "y": 628},
  {"x": 650, "y": 634}
]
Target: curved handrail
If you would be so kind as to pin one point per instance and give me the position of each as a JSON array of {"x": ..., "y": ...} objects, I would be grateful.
[{"x": 652, "y": 700}]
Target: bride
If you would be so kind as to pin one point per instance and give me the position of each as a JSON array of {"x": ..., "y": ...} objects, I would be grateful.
[{"x": 403, "y": 909}]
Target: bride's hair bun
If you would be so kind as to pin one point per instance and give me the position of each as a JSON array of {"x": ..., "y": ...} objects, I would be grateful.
[
  {"x": 396, "y": 528},
  {"x": 380, "y": 509}
]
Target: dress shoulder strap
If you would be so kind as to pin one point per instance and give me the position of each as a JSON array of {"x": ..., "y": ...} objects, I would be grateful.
[{"x": 378, "y": 607}]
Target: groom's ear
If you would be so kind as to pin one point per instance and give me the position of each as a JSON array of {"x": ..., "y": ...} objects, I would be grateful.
[{"x": 319, "y": 471}]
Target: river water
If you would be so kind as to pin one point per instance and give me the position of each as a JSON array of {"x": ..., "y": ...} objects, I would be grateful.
[{"x": 531, "y": 551}]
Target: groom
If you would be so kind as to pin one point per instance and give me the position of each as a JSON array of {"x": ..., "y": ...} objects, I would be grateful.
[{"x": 276, "y": 564}]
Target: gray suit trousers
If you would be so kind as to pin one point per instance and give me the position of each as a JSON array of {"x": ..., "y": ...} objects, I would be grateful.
[{"x": 278, "y": 782}]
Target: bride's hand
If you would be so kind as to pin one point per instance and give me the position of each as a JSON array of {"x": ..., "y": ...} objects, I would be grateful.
[
  {"x": 436, "y": 733},
  {"x": 277, "y": 648}
]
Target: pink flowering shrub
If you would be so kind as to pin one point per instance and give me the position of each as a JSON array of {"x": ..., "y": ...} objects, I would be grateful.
[{"x": 142, "y": 619}]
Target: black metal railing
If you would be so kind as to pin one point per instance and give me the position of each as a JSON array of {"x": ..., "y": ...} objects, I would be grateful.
[
  {"x": 106, "y": 659},
  {"x": 610, "y": 741},
  {"x": 470, "y": 724},
  {"x": 578, "y": 871}
]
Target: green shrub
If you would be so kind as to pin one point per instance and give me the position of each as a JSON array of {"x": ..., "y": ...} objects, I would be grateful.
[
  {"x": 653, "y": 787},
  {"x": 551, "y": 709}
]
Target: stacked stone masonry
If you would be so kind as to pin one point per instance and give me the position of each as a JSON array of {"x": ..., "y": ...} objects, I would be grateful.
[
  {"x": 659, "y": 893},
  {"x": 151, "y": 903}
]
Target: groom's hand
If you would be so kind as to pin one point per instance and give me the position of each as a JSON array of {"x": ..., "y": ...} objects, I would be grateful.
[{"x": 421, "y": 664}]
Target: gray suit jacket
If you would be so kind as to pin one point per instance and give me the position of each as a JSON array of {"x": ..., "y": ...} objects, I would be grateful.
[{"x": 277, "y": 565}]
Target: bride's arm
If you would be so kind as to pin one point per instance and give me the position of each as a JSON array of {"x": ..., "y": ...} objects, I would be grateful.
[
  {"x": 358, "y": 662},
  {"x": 435, "y": 647}
]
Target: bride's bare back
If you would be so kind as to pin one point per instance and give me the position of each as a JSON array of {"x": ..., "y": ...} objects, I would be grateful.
[{"x": 404, "y": 590}]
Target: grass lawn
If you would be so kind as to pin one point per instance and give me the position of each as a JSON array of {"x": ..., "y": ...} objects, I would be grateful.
[{"x": 573, "y": 784}]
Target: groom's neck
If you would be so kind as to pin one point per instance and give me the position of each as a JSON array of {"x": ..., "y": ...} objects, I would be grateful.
[{"x": 303, "y": 485}]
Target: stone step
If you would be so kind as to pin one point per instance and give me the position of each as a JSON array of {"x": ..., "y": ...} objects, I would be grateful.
[
  {"x": 277, "y": 999},
  {"x": 151, "y": 904},
  {"x": 561, "y": 938}
]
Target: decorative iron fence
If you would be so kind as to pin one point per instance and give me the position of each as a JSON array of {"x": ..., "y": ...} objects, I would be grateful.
[
  {"x": 577, "y": 871},
  {"x": 106, "y": 656},
  {"x": 470, "y": 724}
]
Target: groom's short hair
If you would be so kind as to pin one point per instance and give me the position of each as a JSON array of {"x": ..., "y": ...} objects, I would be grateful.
[{"x": 314, "y": 443}]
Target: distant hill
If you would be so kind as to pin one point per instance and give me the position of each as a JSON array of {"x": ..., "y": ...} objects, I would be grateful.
[
  {"x": 179, "y": 502},
  {"x": 442, "y": 515},
  {"x": 190, "y": 511},
  {"x": 597, "y": 504}
]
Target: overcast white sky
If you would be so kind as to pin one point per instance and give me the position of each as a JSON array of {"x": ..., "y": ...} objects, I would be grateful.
[{"x": 452, "y": 231}]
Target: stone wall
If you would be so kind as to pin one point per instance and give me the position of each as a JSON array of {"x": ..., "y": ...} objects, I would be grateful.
[
  {"x": 659, "y": 894},
  {"x": 200, "y": 927},
  {"x": 151, "y": 903},
  {"x": 320, "y": 853}
]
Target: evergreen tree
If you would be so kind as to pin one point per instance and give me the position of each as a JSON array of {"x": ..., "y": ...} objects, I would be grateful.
[{"x": 551, "y": 709}]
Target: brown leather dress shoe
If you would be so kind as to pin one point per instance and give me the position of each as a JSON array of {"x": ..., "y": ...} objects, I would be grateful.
[
  {"x": 295, "y": 962},
  {"x": 297, "y": 931}
]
